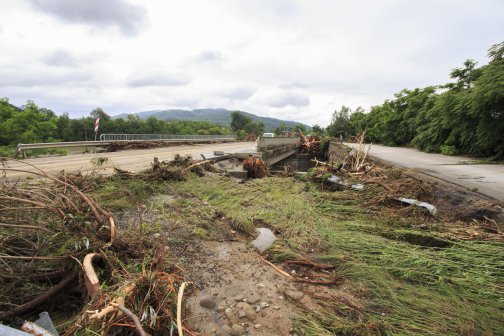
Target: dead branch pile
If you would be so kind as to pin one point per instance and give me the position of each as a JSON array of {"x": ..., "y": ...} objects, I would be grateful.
[
  {"x": 255, "y": 167},
  {"x": 175, "y": 170},
  {"x": 250, "y": 137},
  {"x": 58, "y": 247},
  {"x": 309, "y": 145},
  {"x": 356, "y": 159}
]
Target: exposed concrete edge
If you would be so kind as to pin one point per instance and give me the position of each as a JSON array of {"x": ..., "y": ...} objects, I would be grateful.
[
  {"x": 275, "y": 159},
  {"x": 432, "y": 177}
]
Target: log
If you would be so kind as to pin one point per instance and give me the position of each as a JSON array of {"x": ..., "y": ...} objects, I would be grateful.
[{"x": 39, "y": 300}]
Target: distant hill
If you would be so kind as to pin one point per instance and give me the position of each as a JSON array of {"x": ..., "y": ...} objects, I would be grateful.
[{"x": 217, "y": 116}]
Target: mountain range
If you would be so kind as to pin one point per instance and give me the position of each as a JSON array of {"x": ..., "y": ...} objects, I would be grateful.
[{"x": 216, "y": 116}]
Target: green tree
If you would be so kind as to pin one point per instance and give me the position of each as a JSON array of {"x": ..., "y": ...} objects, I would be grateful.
[
  {"x": 239, "y": 120},
  {"x": 340, "y": 122}
]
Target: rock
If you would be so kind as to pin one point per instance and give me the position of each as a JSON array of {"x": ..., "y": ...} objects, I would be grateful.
[
  {"x": 281, "y": 297},
  {"x": 257, "y": 309},
  {"x": 229, "y": 313},
  {"x": 251, "y": 315},
  {"x": 264, "y": 304},
  {"x": 276, "y": 307},
  {"x": 236, "y": 330},
  {"x": 156, "y": 235},
  {"x": 239, "y": 298},
  {"x": 257, "y": 326},
  {"x": 221, "y": 308},
  {"x": 253, "y": 299},
  {"x": 207, "y": 302},
  {"x": 225, "y": 329},
  {"x": 241, "y": 313},
  {"x": 294, "y": 295}
]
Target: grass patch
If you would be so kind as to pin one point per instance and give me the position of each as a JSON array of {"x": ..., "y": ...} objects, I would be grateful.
[{"x": 417, "y": 282}]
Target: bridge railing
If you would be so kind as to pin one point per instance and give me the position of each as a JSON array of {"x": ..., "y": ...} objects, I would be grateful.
[{"x": 146, "y": 137}]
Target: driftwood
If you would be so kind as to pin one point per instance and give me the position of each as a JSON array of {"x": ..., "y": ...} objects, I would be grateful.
[
  {"x": 90, "y": 279},
  {"x": 135, "y": 319},
  {"x": 196, "y": 164},
  {"x": 112, "y": 307},
  {"x": 179, "y": 308},
  {"x": 276, "y": 268},
  {"x": 39, "y": 300}
]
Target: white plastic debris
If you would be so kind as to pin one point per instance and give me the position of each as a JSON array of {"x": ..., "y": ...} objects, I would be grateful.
[
  {"x": 431, "y": 208},
  {"x": 358, "y": 186}
]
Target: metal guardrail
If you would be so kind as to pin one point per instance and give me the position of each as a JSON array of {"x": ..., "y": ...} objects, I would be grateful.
[
  {"x": 21, "y": 148},
  {"x": 145, "y": 137}
]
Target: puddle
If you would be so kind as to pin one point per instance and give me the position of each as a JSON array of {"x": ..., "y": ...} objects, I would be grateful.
[{"x": 264, "y": 240}]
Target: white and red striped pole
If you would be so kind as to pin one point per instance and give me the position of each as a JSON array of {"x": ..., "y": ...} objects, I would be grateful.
[{"x": 96, "y": 126}]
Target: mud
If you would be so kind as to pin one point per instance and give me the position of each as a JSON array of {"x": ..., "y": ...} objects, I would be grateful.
[{"x": 245, "y": 291}]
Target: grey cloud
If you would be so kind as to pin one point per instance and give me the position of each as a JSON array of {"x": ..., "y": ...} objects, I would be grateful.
[
  {"x": 99, "y": 13},
  {"x": 210, "y": 56},
  {"x": 288, "y": 98},
  {"x": 161, "y": 79},
  {"x": 239, "y": 93},
  {"x": 61, "y": 58}
]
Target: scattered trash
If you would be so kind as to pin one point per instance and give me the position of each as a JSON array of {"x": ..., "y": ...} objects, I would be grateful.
[
  {"x": 431, "y": 208},
  {"x": 264, "y": 240},
  {"x": 358, "y": 186}
]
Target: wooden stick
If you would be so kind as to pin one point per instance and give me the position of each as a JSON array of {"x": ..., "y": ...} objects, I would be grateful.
[
  {"x": 112, "y": 230},
  {"x": 135, "y": 319},
  {"x": 23, "y": 226},
  {"x": 196, "y": 164},
  {"x": 33, "y": 257},
  {"x": 278, "y": 269},
  {"x": 179, "y": 308}
]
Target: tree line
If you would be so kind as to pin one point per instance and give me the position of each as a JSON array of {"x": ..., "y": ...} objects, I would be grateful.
[
  {"x": 31, "y": 123},
  {"x": 465, "y": 116}
]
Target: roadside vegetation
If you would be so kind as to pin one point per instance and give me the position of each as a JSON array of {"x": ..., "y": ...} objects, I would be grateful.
[
  {"x": 465, "y": 116},
  {"x": 396, "y": 269},
  {"x": 412, "y": 275},
  {"x": 31, "y": 123}
]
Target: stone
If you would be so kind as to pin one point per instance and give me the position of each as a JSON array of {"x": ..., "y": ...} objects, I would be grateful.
[
  {"x": 229, "y": 313},
  {"x": 239, "y": 298},
  {"x": 294, "y": 295},
  {"x": 225, "y": 329},
  {"x": 276, "y": 307},
  {"x": 156, "y": 235},
  {"x": 257, "y": 326},
  {"x": 207, "y": 302},
  {"x": 264, "y": 304},
  {"x": 253, "y": 299},
  {"x": 241, "y": 313},
  {"x": 251, "y": 315},
  {"x": 236, "y": 330}
]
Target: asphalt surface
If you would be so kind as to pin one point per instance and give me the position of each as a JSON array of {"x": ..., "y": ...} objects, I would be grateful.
[
  {"x": 130, "y": 160},
  {"x": 487, "y": 179}
]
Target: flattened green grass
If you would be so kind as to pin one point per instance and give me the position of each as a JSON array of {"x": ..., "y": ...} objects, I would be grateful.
[{"x": 416, "y": 282}]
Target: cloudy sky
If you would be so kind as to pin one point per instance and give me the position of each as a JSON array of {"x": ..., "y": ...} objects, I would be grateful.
[{"x": 290, "y": 59}]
